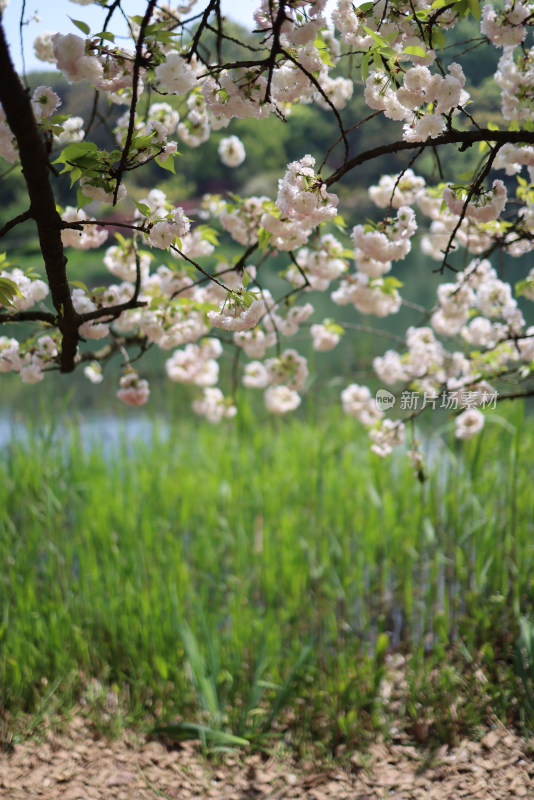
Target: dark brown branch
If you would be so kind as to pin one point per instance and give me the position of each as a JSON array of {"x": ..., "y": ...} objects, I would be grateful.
[
  {"x": 249, "y": 64},
  {"x": 228, "y": 38},
  {"x": 347, "y": 130},
  {"x": 15, "y": 221},
  {"x": 401, "y": 175},
  {"x": 219, "y": 32},
  {"x": 306, "y": 284},
  {"x": 34, "y": 160},
  {"x": 515, "y": 396},
  {"x": 112, "y": 311},
  {"x": 79, "y": 225},
  {"x": 193, "y": 50},
  {"x": 94, "y": 112},
  {"x": 115, "y": 346},
  {"x": 474, "y": 189},
  {"x": 29, "y": 316},
  {"x": 325, "y": 97},
  {"x": 116, "y": 310},
  {"x": 207, "y": 275},
  {"x": 21, "y": 39},
  {"x": 111, "y": 10},
  {"x": 355, "y": 326},
  {"x": 244, "y": 258},
  {"x": 281, "y": 17},
  {"x": 135, "y": 88},
  {"x": 463, "y": 138}
]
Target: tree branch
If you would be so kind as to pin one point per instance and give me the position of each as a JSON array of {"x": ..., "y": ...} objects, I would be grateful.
[
  {"x": 193, "y": 50},
  {"x": 475, "y": 188},
  {"x": 34, "y": 160},
  {"x": 135, "y": 88},
  {"x": 15, "y": 221},
  {"x": 28, "y": 316},
  {"x": 463, "y": 138}
]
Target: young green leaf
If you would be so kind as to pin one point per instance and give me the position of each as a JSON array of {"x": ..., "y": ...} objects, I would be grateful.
[
  {"x": 82, "y": 26},
  {"x": 8, "y": 290},
  {"x": 167, "y": 163},
  {"x": 142, "y": 208}
]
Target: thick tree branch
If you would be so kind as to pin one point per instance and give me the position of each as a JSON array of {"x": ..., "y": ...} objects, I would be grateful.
[
  {"x": 34, "y": 160},
  {"x": 463, "y": 138}
]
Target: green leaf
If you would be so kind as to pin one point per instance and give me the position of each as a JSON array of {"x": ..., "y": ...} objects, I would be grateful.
[
  {"x": 106, "y": 35},
  {"x": 390, "y": 284},
  {"x": 462, "y": 8},
  {"x": 209, "y": 234},
  {"x": 326, "y": 58},
  {"x": 415, "y": 50},
  {"x": 377, "y": 61},
  {"x": 376, "y": 36},
  {"x": 140, "y": 142},
  {"x": 182, "y": 731},
  {"x": 8, "y": 290},
  {"x": 82, "y": 199},
  {"x": 249, "y": 297},
  {"x": 474, "y": 8},
  {"x": 364, "y": 66},
  {"x": 264, "y": 237},
  {"x": 167, "y": 164},
  {"x": 83, "y": 26},
  {"x": 334, "y": 327},
  {"x": 74, "y": 151},
  {"x": 166, "y": 37},
  {"x": 75, "y": 174},
  {"x": 142, "y": 208},
  {"x": 438, "y": 38},
  {"x": 521, "y": 286}
]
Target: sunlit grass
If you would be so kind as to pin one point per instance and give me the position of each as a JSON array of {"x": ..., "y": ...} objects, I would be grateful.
[{"x": 223, "y": 574}]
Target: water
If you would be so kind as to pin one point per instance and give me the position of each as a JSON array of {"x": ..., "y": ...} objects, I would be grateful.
[{"x": 105, "y": 431}]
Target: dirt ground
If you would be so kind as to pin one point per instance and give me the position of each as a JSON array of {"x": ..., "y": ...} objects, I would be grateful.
[{"x": 72, "y": 765}]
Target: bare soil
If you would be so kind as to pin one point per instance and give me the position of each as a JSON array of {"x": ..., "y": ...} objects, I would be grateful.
[{"x": 71, "y": 764}]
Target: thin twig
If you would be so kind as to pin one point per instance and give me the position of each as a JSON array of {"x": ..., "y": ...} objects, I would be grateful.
[{"x": 135, "y": 88}]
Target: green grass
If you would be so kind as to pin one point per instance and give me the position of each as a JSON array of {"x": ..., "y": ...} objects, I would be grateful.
[{"x": 252, "y": 581}]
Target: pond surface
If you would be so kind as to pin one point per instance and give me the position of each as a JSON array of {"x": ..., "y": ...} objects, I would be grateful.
[{"x": 102, "y": 430}]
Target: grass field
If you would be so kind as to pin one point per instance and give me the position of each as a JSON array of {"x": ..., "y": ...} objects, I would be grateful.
[{"x": 269, "y": 582}]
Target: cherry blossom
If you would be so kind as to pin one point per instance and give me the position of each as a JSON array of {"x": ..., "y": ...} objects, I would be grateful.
[{"x": 197, "y": 285}]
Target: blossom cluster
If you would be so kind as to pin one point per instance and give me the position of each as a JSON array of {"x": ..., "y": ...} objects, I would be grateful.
[{"x": 160, "y": 291}]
